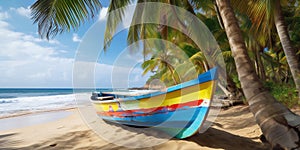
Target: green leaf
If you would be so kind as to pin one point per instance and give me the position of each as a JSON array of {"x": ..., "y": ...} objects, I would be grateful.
[{"x": 57, "y": 16}]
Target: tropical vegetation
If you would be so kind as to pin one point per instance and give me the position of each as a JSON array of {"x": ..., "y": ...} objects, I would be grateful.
[{"x": 259, "y": 39}]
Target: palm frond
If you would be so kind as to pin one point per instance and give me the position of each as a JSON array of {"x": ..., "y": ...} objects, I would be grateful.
[
  {"x": 199, "y": 56},
  {"x": 227, "y": 55},
  {"x": 136, "y": 30},
  {"x": 149, "y": 65},
  {"x": 146, "y": 30},
  {"x": 116, "y": 12},
  {"x": 57, "y": 16},
  {"x": 269, "y": 58},
  {"x": 259, "y": 11},
  {"x": 206, "y": 6}
]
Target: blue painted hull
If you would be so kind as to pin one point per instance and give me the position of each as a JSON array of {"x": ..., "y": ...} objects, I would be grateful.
[{"x": 180, "y": 123}]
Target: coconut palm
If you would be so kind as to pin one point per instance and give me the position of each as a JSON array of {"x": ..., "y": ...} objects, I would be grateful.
[
  {"x": 265, "y": 13},
  {"x": 278, "y": 124},
  {"x": 288, "y": 48},
  {"x": 163, "y": 63}
]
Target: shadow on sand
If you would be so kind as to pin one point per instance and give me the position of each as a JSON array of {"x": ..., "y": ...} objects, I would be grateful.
[
  {"x": 215, "y": 138},
  {"x": 70, "y": 140},
  {"x": 212, "y": 138}
]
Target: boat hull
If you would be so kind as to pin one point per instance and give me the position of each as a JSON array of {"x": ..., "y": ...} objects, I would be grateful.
[
  {"x": 179, "y": 124},
  {"x": 180, "y": 111}
]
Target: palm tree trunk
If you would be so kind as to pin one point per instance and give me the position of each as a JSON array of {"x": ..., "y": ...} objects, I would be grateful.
[
  {"x": 278, "y": 124},
  {"x": 261, "y": 66},
  {"x": 256, "y": 63},
  {"x": 286, "y": 43},
  {"x": 278, "y": 75}
]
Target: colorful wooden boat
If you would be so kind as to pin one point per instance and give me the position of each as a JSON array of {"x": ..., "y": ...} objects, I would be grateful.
[{"x": 180, "y": 110}]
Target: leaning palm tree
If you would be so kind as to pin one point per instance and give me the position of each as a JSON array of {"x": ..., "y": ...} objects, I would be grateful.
[
  {"x": 279, "y": 125},
  {"x": 289, "y": 50},
  {"x": 264, "y": 14},
  {"x": 163, "y": 63}
]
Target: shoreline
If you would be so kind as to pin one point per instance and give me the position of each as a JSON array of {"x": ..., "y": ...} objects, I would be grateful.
[{"x": 37, "y": 112}]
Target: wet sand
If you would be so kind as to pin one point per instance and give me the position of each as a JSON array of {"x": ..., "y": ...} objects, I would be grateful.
[{"x": 32, "y": 119}]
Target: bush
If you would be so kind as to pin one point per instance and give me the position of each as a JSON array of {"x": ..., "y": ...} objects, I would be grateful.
[{"x": 284, "y": 93}]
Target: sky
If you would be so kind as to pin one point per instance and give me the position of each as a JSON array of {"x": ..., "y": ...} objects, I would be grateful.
[{"x": 26, "y": 61}]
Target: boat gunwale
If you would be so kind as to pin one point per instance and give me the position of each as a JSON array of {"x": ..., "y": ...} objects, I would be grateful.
[{"x": 202, "y": 78}]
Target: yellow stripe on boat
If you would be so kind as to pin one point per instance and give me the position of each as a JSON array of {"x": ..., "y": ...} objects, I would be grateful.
[{"x": 192, "y": 93}]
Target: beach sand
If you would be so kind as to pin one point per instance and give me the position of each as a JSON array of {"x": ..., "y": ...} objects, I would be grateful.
[{"x": 235, "y": 128}]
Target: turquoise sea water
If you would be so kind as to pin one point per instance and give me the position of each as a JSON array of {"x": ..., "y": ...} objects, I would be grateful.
[
  {"x": 14, "y": 101},
  {"x": 30, "y": 92}
]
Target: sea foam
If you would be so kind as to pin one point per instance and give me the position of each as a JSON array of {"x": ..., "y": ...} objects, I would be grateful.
[{"x": 21, "y": 105}]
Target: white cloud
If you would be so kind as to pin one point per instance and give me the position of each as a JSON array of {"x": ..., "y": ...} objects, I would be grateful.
[
  {"x": 22, "y": 11},
  {"x": 4, "y": 15},
  {"x": 76, "y": 38},
  {"x": 53, "y": 41},
  {"x": 27, "y": 61},
  {"x": 103, "y": 14},
  {"x": 50, "y": 41}
]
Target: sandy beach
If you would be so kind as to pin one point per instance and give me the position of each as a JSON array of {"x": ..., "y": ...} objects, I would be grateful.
[{"x": 235, "y": 128}]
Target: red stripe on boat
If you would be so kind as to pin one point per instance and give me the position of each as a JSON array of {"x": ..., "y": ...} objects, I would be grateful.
[{"x": 150, "y": 111}]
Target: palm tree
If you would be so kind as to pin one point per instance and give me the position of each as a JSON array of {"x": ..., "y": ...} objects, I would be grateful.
[
  {"x": 278, "y": 124},
  {"x": 265, "y": 13},
  {"x": 288, "y": 48},
  {"x": 163, "y": 63}
]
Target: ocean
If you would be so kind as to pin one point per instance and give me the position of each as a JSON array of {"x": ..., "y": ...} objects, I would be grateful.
[{"x": 21, "y": 101}]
